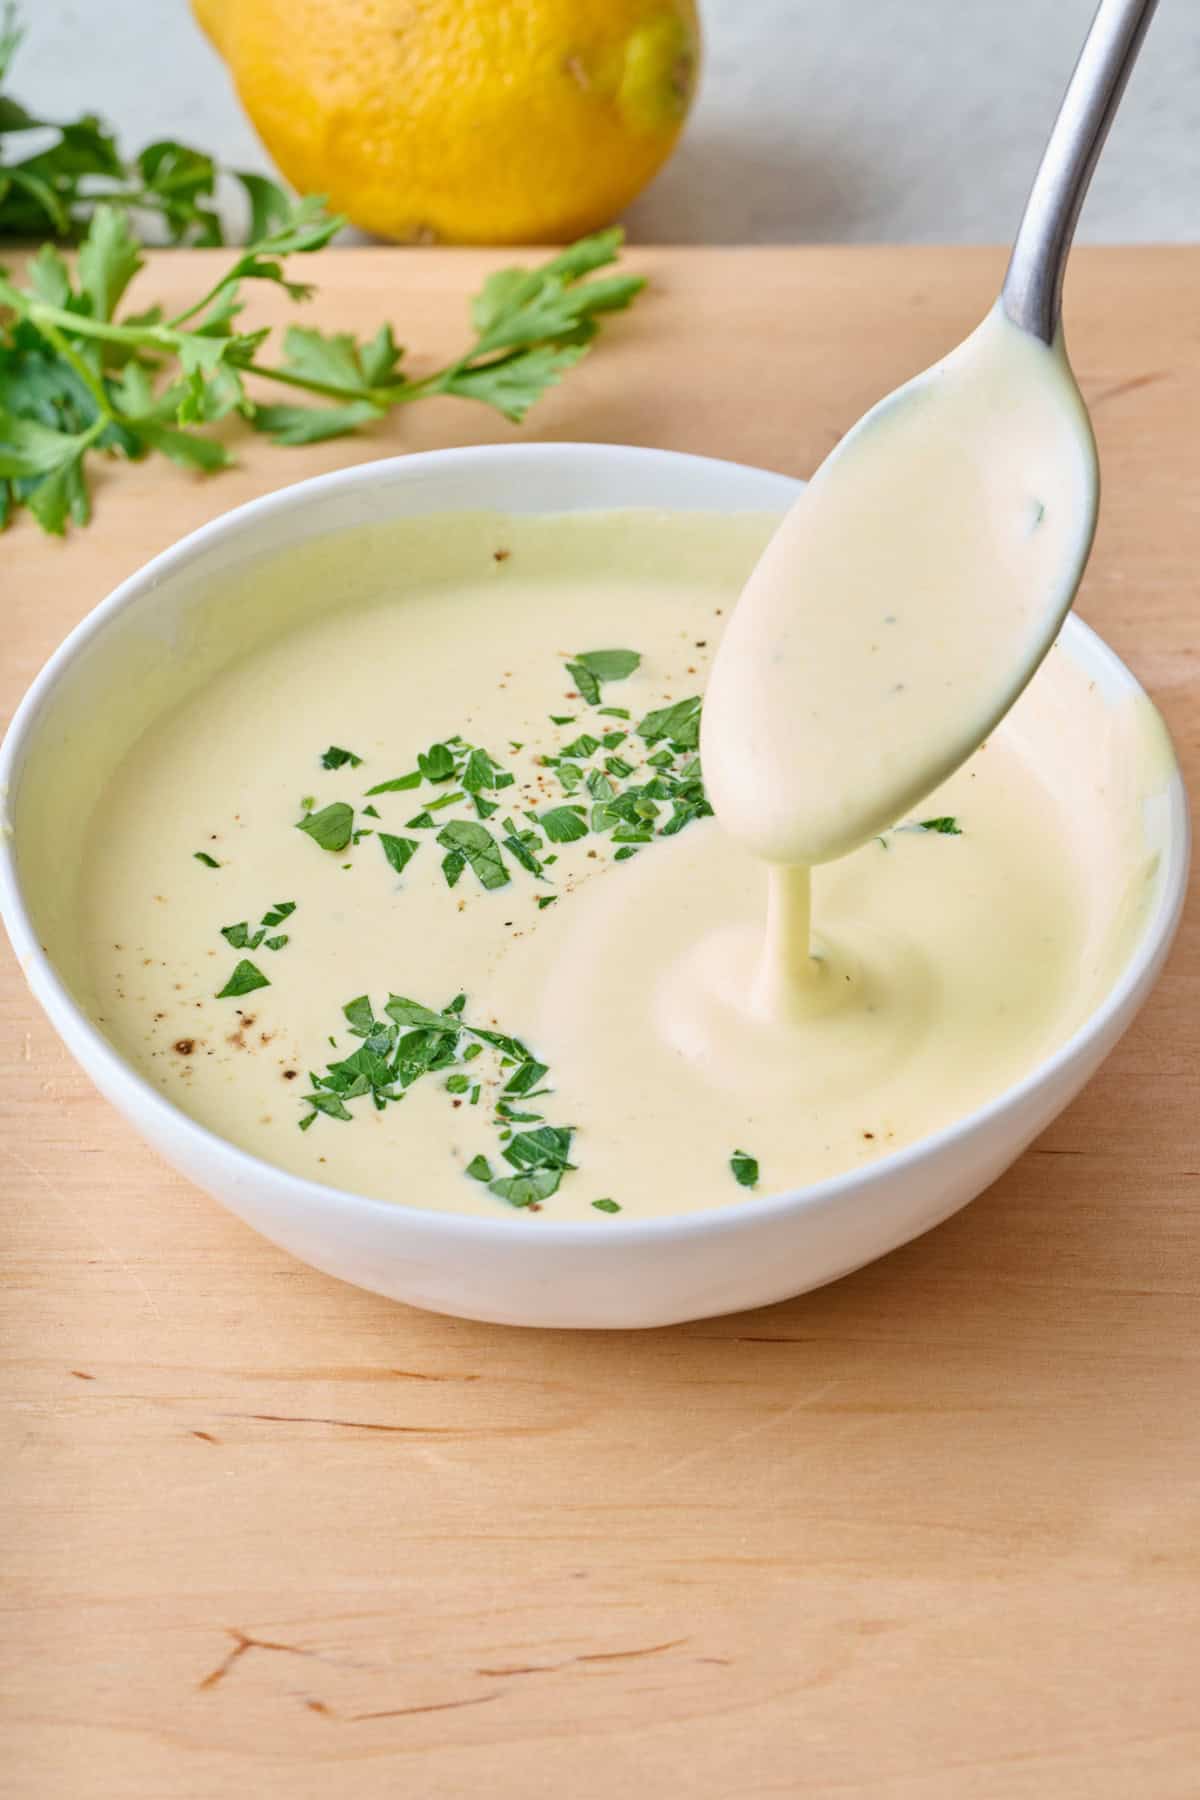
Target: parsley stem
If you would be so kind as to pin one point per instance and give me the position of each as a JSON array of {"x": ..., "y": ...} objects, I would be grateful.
[
  {"x": 205, "y": 300},
  {"x": 91, "y": 381},
  {"x": 96, "y": 429},
  {"x": 43, "y": 315},
  {"x": 330, "y": 390}
]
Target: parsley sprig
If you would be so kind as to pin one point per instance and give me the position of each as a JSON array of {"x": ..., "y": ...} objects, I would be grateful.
[
  {"x": 76, "y": 379},
  {"x": 52, "y": 190}
]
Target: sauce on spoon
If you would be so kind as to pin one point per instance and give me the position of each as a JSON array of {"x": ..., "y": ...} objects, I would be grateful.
[{"x": 903, "y": 604}]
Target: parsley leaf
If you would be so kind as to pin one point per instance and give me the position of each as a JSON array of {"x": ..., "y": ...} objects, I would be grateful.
[
  {"x": 528, "y": 1188},
  {"x": 399, "y": 850},
  {"x": 337, "y": 758},
  {"x": 563, "y": 824},
  {"x": 244, "y": 980},
  {"x": 77, "y": 165},
  {"x": 331, "y": 827},
  {"x": 437, "y": 763},
  {"x": 528, "y": 1074},
  {"x": 679, "y": 723},
  {"x": 397, "y": 785},
  {"x": 745, "y": 1168},
  {"x": 947, "y": 826},
  {"x": 592, "y": 667},
  {"x": 475, "y": 842},
  {"x": 581, "y": 747},
  {"x": 238, "y": 936}
]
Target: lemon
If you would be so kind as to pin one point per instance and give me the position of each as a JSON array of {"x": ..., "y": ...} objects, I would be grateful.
[{"x": 464, "y": 121}]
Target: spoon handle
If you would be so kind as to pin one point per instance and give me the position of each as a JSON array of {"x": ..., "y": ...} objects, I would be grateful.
[{"x": 1032, "y": 291}]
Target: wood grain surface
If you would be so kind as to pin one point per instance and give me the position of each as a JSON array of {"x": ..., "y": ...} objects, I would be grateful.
[{"x": 930, "y": 1534}]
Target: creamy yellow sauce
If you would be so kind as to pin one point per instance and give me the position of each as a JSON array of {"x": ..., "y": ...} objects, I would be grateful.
[{"x": 946, "y": 964}]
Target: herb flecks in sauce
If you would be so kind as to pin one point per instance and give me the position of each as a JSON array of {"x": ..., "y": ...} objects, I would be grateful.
[
  {"x": 473, "y": 843},
  {"x": 680, "y": 724},
  {"x": 331, "y": 828},
  {"x": 240, "y": 936},
  {"x": 245, "y": 978},
  {"x": 592, "y": 667},
  {"x": 745, "y": 1168},
  {"x": 633, "y": 802},
  {"x": 413, "y": 1040},
  {"x": 399, "y": 851},
  {"x": 398, "y": 784}
]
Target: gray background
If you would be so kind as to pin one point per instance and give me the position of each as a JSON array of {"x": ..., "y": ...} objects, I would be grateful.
[{"x": 826, "y": 120}]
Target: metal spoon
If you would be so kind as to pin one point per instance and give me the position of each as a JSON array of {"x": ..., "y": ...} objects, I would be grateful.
[
  {"x": 1032, "y": 291},
  {"x": 914, "y": 588}
]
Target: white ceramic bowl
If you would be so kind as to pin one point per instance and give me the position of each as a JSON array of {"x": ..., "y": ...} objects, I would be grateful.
[{"x": 616, "y": 1273}]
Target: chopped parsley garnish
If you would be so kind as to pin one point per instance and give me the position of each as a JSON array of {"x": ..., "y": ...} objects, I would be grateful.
[
  {"x": 337, "y": 758},
  {"x": 592, "y": 667},
  {"x": 437, "y": 763},
  {"x": 413, "y": 1040},
  {"x": 467, "y": 838},
  {"x": 563, "y": 824},
  {"x": 635, "y": 796},
  {"x": 528, "y": 1074},
  {"x": 483, "y": 771},
  {"x": 202, "y": 856},
  {"x": 608, "y": 1206},
  {"x": 332, "y": 827},
  {"x": 680, "y": 724},
  {"x": 581, "y": 747},
  {"x": 244, "y": 980},
  {"x": 528, "y": 1188},
  {"x": 745, "y": 1168},
  {"x": 522, "y": 847},
  {"x": 948, "y": 826},
  {"x": 397, "y": 784},
  {"x": 240, "y": 936},
  {"x": 399, "y": 850}
]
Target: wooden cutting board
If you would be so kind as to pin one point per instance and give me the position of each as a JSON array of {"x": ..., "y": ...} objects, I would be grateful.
[{"x": 929, "y": 1533}]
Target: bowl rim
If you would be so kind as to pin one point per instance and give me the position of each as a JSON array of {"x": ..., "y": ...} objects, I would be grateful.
[{"x": 140, "y": 1098}]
